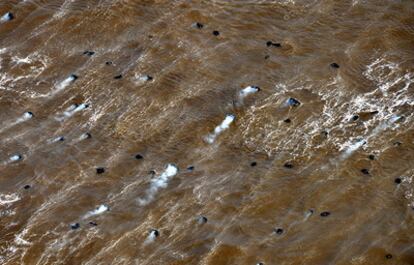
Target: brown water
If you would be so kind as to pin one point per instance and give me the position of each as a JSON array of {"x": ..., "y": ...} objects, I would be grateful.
[{"x": 304, "y": 167}]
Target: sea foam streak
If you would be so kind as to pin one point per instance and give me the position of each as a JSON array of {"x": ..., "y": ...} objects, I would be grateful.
[
  {"x": 157, "y": 183},
  {"x": 225, "y": 124},
  {"x": 101, "y": 209},
  {"x": 247, "y": 91}
]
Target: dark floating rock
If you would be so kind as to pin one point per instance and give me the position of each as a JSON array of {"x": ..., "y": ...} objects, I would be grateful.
[
  {"x": 202, "y": 219},
  {"x": 26, "y": 187},
  {"x": 108, "y": 63},
  {"x": 397, "y": 180},
  {"x": 287, "y": 120},
  {"x": 371, "y": 157},
  {"x": 74, "y": 226},
  {"x": 198, "y": 25},
  {"x": 388, "y": 256},
  {"x": 190, "y": 168},
  {"x": 155, "y": 232},
  {"x": 279, "y": 231},
  {"x": 293, "y": 102},
  {"x": 216, "y": 33},
  {"x": 334, "y": 65},
  {"x": 288, "y": 165},
  {"x": 253, "y": 164},
  {"x": 355, "y": 117},
  {"x": 93, "y": 223},
  {"x": 88, "y": 53},
  {"x": 325, "y": 214},
  {"x": 118, "y": 77},
  {"x": 365, "y": 171},
  {"x": 138, "y": 156},
  {"x": 100, "y": 170}
]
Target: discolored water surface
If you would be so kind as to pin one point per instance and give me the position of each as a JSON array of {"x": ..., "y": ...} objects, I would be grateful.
[{"x": 206, "y": 132}]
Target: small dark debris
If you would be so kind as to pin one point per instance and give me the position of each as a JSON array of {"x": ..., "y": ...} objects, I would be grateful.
[
  {"x": 365, "y": 171},
  {"x": 152, "y": 172},
  {"x": 371, "y": 157},
  {"x": 253, "y": 164},
  {"x": 100, "y": 170},
  {"x": 325, "y": 214},
  {"x": 26, "y": 187},
  {"x": 275, "y": 44},
  {"x": 374, "y": 112},
  {"x": 355, "y": 117},
  {"x": 88, "y": 135},
  {"x": 388, "y": 256},
  {"x": 266, "y": 57},
  {"x": 216, "y": 33},
  {"x": 334, "y": 65},
  {"x": 287, "y": 120},
  {"x": 138, "y": 156},
  {"x": 118, "y": 77},
  {"x": 288, "y": 165},
  {"x": 74, "y": 226},
  {"x": 108, "y": 63},
  {"x": 397, "y": 180},
  {"x": 190, "y": 168},
  {"x": 61, "y": 139},
  {"x": 199, "y": 25},
  {"x": 397, "y": 143},
  {"x": 93, "y": 223},
  {"x": 74, "y": 76}
]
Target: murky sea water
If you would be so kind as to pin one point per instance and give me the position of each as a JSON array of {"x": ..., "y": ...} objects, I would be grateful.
[{"x": 207, "y": 132}]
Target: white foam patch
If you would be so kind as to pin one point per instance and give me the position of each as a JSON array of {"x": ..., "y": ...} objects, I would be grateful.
[
  {"x": 350, "y": 147},
  {"x": 225, "y": 124},
  {"x": 6, "y": 199},
  {"x": 160, "y": 182},
  {"x": 15, "y": 158},
  {"x": 247, "y": 91},
  {"x": 99, "y": 210}
]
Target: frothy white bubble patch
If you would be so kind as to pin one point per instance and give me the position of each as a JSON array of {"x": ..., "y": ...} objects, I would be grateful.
[
  {"x": 225, "y": 124},
  {"x": 99, "y": 210},
  {"x": 160, "y": 182},
  {"x": 6, "y": 199}
]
